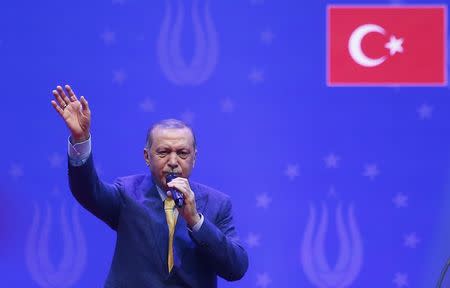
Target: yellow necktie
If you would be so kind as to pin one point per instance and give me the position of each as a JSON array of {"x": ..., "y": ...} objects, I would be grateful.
[{"x": 171, "y": 221}]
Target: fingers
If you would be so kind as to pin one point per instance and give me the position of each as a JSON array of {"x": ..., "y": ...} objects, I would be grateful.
[
  {"x": 63, "y": 95},
  {"x": 84, "y": 104},
  {"x": 57, "y": 108},
  {"x": 58, "y": 98},
  {"x": 72, "y": 95},
  {"x": 182, "y": 185}
]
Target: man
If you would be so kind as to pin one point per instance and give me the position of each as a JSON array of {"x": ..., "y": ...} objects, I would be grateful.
[{"x": 157, "y": 245}]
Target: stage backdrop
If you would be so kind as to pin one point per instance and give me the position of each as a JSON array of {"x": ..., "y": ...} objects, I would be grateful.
[{"x": 332, "y": 185}]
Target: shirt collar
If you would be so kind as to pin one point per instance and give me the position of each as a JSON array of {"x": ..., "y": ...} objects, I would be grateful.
[{"x": 161, "y": 192}]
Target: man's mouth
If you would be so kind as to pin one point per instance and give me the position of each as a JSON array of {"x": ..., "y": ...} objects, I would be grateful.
[{"x": 178, "y": 174}]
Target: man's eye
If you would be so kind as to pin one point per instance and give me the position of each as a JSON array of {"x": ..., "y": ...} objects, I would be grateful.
[
  {"x": 161, "y": 153},
  {"x": 183, "y": 154}
]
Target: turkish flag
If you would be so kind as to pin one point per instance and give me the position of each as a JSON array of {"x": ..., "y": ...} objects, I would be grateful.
[{"x": 386, "y": 45}]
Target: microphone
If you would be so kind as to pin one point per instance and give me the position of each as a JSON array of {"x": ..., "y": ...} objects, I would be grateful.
[{"x": 176, "y": 195}]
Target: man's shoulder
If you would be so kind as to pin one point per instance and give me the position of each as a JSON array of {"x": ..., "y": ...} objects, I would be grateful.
[
  {"x": 130, "y": 179},
  {"x": 134, "y": 183}
]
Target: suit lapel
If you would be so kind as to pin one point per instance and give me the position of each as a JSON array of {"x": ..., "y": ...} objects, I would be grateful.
[
  {"x": 151, "y": 200},
  {"x": 182, "y": 240},
  {"x": 157, "y": 219}
]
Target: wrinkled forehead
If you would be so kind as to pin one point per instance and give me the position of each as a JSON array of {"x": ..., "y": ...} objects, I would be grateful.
[{"x": 172, "y": 137}]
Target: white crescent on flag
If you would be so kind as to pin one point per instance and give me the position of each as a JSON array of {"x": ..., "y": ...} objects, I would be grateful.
[{"x": 354, "y": 45}]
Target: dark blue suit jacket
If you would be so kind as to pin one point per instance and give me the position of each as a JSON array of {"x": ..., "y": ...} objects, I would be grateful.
[{"x": 133, "y": 208}]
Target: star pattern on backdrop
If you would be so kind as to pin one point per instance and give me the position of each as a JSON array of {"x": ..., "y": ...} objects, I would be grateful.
[
  {"x": 292, "y": 171},
  {"x": 256, "y": 76},
  {"x": 253, "y": 240},
  {"x": 16, "y": 171},
  {"x": 119, "y": 76},
  {"x": 425, "y": 111},
  {"x": 263, "y": 201},
  {"x": 371, "y": 171},
  {"x": 331, "y": 161},
  {"x": 400, "y": 279},
  {"x": 332, "y": 192},
  {"x": 400, "y": 200},
  {"x": 263, "y": 280},
  {"x": 108, "y": 37},
  {"x": 411, "y": 240},
  {"x": 227, "y": 105},
  {"x": 267, "y": 36},
  {"x": 147, "y": 105},
  {"x": 56, "y": 160}
]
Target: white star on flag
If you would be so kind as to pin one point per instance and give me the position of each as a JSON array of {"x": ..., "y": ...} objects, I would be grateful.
[
  {"x": 371, "y": 171},
  {"x": 252, "y": 240},
  {"x": 401, "y": 279},
  {"x": 263, "y": 280},
  {"x": 411, "y": 240},
  {"x": 263, "y": 200},
  {"x": 394, "y": 45}
]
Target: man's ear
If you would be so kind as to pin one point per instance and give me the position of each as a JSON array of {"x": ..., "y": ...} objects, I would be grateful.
[{"x": 146, "y": 157}]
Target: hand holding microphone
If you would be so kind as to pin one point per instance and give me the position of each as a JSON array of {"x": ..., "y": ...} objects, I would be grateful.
[
  {"x": 184, "y": 198},
  {"x": 176, "y": 195}
]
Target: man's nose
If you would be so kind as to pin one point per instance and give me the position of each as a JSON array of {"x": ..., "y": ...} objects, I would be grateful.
[{"x": 173, "y": 163}]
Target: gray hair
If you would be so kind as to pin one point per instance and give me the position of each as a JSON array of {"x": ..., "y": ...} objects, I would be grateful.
[{"x": 168, "y": 124}]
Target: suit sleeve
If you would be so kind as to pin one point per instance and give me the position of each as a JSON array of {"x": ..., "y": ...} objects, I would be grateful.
[
  {"x": 101, "y": 199},
  {"x": 218, "y": 242}
]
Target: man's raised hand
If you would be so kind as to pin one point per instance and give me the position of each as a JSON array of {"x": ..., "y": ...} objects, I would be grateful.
[{"x": 75, "y": 112}]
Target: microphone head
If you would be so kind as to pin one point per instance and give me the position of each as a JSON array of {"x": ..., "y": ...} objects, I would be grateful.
[{"x": 170, "y": 177}]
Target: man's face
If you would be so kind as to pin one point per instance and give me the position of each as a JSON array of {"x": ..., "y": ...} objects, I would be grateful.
[{"x": 172, "y": 151}]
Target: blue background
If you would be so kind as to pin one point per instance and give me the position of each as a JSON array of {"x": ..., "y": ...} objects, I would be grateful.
[{"x": 264, "y": 111}]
